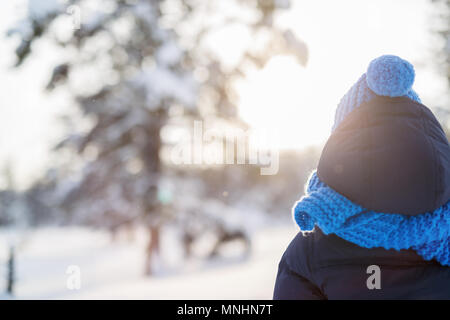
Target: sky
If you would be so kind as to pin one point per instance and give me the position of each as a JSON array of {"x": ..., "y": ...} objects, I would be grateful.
[
  {"x": 342, "y": 37},
  {"x": 297, "y": 102}
]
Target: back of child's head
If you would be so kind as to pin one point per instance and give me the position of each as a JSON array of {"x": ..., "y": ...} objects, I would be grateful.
[{"x": 387, "y": 152}]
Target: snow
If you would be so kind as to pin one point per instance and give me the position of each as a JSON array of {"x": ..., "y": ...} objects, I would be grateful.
[
  {"x": 40, "y": 9},
  {"x": 283, "y": 4},
  {"x": 95, "y": 12},
  {"x": 162, "y": 83},
  {"x": 168, "y": 54},
  {"x": 114, "y": 270}
]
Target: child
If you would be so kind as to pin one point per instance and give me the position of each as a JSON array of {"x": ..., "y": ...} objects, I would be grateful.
[{"x": 375, "y": 219}]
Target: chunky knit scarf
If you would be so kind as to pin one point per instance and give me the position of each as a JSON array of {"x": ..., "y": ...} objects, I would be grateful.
[{"x": 428, "y": 234}]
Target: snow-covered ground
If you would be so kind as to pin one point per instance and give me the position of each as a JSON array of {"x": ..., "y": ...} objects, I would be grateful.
[{"x": 114, "y": 270}]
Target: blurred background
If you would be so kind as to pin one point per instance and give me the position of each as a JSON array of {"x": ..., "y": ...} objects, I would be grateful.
[{"x": 97, "y": 95}]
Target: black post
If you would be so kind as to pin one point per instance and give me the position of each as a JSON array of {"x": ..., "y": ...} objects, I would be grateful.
[{"x": 10, "y": 275}]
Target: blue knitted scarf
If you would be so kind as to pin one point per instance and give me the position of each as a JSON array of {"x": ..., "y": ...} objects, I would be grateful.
[{"x": 428, "y": 233}]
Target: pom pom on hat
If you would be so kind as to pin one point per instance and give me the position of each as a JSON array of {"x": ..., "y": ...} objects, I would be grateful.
[
  {"x": 390, "y": 76},
  {"x": 387, "y": 75}
]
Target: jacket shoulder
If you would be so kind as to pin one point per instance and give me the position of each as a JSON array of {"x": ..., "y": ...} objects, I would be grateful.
[{"x": 299, "y": 254}]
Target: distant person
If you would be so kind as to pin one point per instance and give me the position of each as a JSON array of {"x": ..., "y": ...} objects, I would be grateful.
[{"x": 375, "y": 219}]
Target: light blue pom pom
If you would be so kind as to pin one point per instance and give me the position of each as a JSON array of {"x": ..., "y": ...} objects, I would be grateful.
[{"x": 390, "y": 76}]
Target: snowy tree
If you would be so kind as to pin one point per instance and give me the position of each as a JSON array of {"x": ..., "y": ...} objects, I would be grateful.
[
  {"x": 441, "y": 27},
  {"x": 128, "y": 65},
  {"x": 444, "y": 32}
]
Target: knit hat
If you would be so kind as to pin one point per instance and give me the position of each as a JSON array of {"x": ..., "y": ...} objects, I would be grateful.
[{"x": 387, "y": 75}]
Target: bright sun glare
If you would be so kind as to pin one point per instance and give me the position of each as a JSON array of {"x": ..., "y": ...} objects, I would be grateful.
[{"x": 280, "y": 99}]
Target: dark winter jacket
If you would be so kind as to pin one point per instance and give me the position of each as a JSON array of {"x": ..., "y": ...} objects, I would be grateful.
[
  {"x": 318, "y": 266},
  {"x": 389, "y": 155}
]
